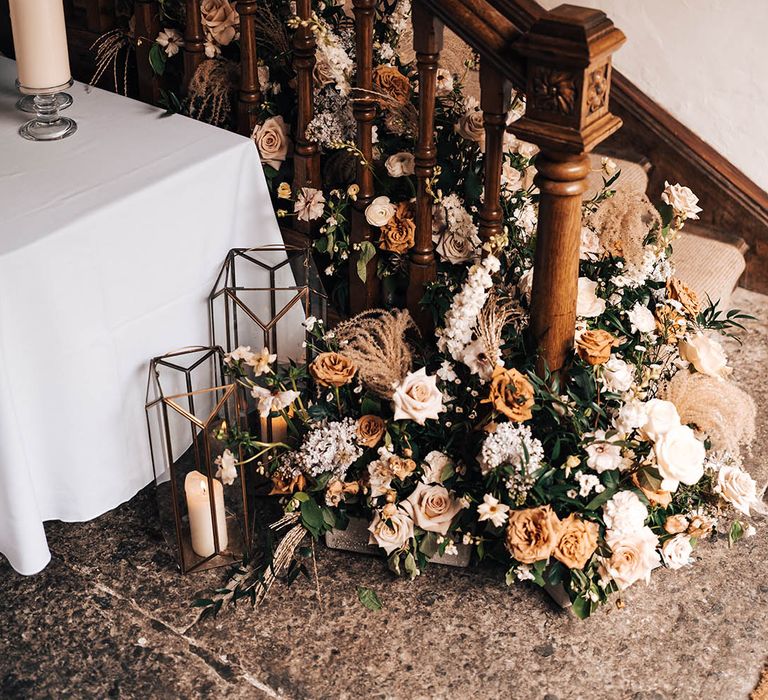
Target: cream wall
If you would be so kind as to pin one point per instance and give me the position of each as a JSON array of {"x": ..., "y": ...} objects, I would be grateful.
[{"x": 705, "y": 62}]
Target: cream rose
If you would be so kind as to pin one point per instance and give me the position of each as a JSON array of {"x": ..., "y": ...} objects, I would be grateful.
[
  {"x": 633, "y": 556},
  {"x": 660, "y": 417},
  {"x": 432, "y": 508},
  {"x": 470, "y": 126},
  {"x": 271, "y": 138},
  {"x": 676, "y": 552},
  {"x": 588, "y": 304},
  {"x": 379, "y": 211},
  {"x": 220, "y": 21},
  {"x": 705, "y": 354},
  {"x": 400, "y": 164},
  {"x": 455, "y": 247},
  {"x": 679, "y": 457},
  {"x": 641, "y": 319},
  {"x": 682, "y": 200},
  {"x": 392, "y": 533},
  {"x": 738, "y": 488},
  {"x": 417, "y": 397}
]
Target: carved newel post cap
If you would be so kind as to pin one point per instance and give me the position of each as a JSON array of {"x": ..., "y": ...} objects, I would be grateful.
[{"x": 568, "y": 58}]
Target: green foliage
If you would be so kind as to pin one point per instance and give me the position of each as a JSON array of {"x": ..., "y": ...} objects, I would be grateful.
[{"x": 368, "y": 598}]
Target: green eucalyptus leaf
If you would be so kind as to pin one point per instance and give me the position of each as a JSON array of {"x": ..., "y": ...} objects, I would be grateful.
[
  {"x": 157, "y": 59},
  {"x": 369, "y": 598},
  {"x": 366, "y": 254}
]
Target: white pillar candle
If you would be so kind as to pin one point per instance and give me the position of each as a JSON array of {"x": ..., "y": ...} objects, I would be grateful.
[
  {"x": 199, "y": 511},
  {"x": 40, "y": 43},
  {"x": 279, "y": 428}
]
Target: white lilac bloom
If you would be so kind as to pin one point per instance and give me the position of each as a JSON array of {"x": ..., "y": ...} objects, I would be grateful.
[
  {"x": 446, "y": 372},
  {"x": 624, "y": 512},
  {"x": 491, "y": 509},
  {"x": 330, "y": 447},
  {"x": 588, "y": 483},
  {"x": 511, "y": 444}
]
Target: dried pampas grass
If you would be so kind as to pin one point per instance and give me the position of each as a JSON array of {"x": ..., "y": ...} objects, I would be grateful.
[
  {"x": 623, "y": 222},
  {"x": 498, "y": 313},
  {"x": 376, "y": 343},
  {"x": 209, "y": 91},
  {"x": 721, "y": 410}
]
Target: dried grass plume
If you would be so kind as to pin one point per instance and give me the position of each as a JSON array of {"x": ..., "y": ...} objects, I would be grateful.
[
  {"x": 725, "y": 413},
  {"x": 375, "y": 341}
]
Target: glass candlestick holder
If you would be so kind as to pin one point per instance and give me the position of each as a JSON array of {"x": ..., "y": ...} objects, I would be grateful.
[
  {"x": 47, "y": 124},
  {"x": 26, "y": 103}
]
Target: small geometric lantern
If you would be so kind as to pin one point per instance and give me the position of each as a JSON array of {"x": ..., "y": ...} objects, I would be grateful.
[
  {"x": 261, "y": 299},
  {"x": 200, "y": 484}
]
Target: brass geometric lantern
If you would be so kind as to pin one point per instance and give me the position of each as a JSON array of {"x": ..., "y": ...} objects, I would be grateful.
[{"x": 200, "y": 482}]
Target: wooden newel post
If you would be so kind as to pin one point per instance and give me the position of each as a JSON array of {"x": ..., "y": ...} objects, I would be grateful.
[
  {"x": 194, "y": 41},
  {"x": 568, "y": 76},
  {"x": 306, "y": 152},
  {"x": 427, "y": 41},
  {"x": 363, "y": 295},
  {"x": 249, "y": 94}
]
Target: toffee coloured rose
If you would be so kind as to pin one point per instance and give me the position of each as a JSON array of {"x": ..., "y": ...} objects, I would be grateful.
[
  {"x": 370, "y": 430},
  {"x": 398, "y": 234},
  {"x": 392, "y": 85},
  {"x": 532, "y": 534},
  {"x": 578, "y": 541},
  {"x": 332, "y": 369},
  {"x": 511, "y": 394},
  {"x": 594, "y": 347}
]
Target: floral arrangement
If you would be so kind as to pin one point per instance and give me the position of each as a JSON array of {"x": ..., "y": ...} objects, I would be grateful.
[{"x": 588, "y": 479}]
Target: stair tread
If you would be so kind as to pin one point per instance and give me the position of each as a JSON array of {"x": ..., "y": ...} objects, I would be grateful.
[{"x": 633, "y": 175}]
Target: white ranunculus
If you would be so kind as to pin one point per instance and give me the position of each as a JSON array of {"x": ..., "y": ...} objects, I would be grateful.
[
  {"x": 617, "y": 375},
  {"x": 491, "y": 509},
  {"x": 738, "y": 488},
  {"x": 676, "y": 551},
  {"x": 417, "y": 397},
  {"x": 392, "y": 533},
  {"x": 588, "y": 304},
  {"x": 227, "y": 471},
  {"x": 432, "y": 508},
  {"x": 661, "y": 417},
  {"x": 379, "y": 211},
  {"x": 400, "y": 164},
  {"x": 633, "y": 556},
  {"x": 624, "y": 512},
  {"x": 631, "y": 415},
  {"x": 603, "y": 454},
  {"x": 642, "y": 319},
  {"x": 684, "y": 202},
  {"x": 434, "y": 465},
  {"x": 679, "y": 457},
  {"x": 705, "y": 354}
]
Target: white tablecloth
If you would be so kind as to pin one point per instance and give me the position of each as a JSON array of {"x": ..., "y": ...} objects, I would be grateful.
[{"x": 110, "y": 241}]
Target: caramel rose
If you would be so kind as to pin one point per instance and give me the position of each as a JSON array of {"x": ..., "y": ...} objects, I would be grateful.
[
  {"x": 680, "y": 292},
  {"x": 594, "y": 347},
  {"x": 532, "y": 534},
  {"x": 220, "y": 20},
  {"x": 511, "y": 394},
  {"x": 397, "y": 235},
  {"x": 370, "y": 430},
  {"x": 332, "y": 369},
  {"x": 281, "y": 487},
  {"x": 402, "y": 468},
  {"x": 577, "y": 543},
  {"x": 675, "y": 524},
  {"x": 393, "y": 84}
]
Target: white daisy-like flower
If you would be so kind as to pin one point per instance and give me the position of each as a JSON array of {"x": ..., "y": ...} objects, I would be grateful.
[{"x": 491, "y": 509}]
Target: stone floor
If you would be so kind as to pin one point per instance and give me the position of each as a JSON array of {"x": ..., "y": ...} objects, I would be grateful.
[{"x": 109, "y": 617}]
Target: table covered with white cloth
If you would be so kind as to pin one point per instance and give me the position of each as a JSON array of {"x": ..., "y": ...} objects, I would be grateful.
[{"x": 110, "y": 242}]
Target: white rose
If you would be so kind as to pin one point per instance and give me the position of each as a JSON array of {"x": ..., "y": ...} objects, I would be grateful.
[
  {"x": 684, "y": 202},
  {"x": 642, "y": 319},
  {"x": 392, "y": 533},
  {"x": 434, "y": 465},
  {"x": 625, "y": 512},
  {"x": 661, "y": 417},
  {"x": 631, "y": 415},
  {"x": 738, "y": 488},
  {"x": 705, "y": 354},
  {"x": 588, "y": 305},
  {"x": 617, "y": 375},
  {"x": 603, "y": 455},
  {"x": 379, "y": 211},
  {"x": 417, "y": 397},
  {"x": 400, "y": 164},
  {"x": 633, "y": 556},
  {"x": 679, "y": 457},
  {"x": 676, "y": 551},
  {"x": 432, "y": 507}
]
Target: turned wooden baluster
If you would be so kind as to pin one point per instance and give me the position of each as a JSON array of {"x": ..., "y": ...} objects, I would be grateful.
[
  {"x": 363, "y": 295},
  {"x": 568, "y": 70},
  {"x": 495, "y": 93},
  {"x": 249, "y": 95},
  {"x": 146, "y": 29},
  {"x": 427, "y": 42},
  {"x": 306, "y": 162},
  {"x": 194, "y": 42}
]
